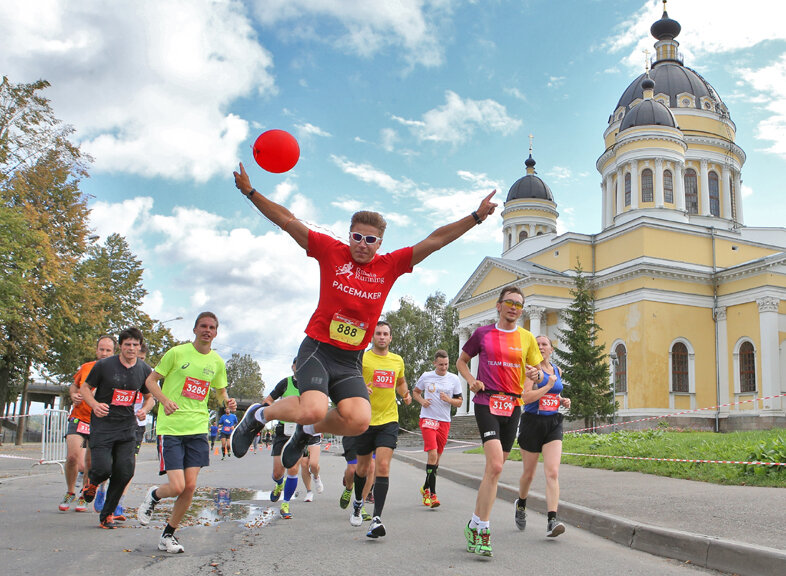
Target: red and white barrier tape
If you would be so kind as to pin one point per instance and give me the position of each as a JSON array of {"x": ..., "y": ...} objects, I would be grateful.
[
  {"x": 688, "y": 460},
  {"x": 626, "y": 422}
]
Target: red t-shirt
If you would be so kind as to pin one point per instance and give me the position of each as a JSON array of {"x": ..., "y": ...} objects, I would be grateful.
[{"x": 351, "y": 295}]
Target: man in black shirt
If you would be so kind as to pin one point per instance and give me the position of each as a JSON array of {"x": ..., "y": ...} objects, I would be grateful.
[{"x": 116, "y": 381}]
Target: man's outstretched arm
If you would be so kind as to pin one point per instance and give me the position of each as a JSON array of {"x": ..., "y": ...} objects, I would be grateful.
[
  {"x": 446, "y": 234},
  {"x": 279, "y": 215}
]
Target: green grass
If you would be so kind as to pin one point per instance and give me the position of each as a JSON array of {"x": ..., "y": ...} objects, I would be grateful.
[{"x": 760, "y": 445}]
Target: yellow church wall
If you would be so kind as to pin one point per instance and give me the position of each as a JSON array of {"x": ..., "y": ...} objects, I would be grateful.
[
  {"x": 563, "y": 257},
  {"x": 725, "y": 256},
  {"x": 648, "y": 282},
  {"x": 648, "y": 330},
  {"x": 648, "y": 144},
  {"x": 540, "y": 290},
  {"x": 656, "y": 243},
  {"x": 731, "y": 287},
  {"x": 742, "y": 321},
  {"x": 691, "y": 123},
  {"x": 496, "y": 278}
]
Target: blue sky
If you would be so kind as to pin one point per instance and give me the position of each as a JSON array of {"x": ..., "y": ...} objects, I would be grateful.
[{"x": 414, "y": 108}]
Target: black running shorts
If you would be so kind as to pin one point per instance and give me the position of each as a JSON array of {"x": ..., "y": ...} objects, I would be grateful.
[
  {"x": 502, "y": 428},
  {"x": 535, "y": 431},
  {"x": 333, "y": 371}
]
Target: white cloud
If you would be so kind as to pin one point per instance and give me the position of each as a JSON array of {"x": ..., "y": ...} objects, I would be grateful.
[
  {"x": 770, "y": 81},
  {"x": 409, "y": 27},
  {"x": 388, "y": 138},
  {"x": 746, "y": 190},
  {"x": 371, "y": 175},
  {"x": 120, "y": 218},
  {"x": 161, "y": 75},
  {"x": 308, "y": 129},
  {"x": 455, "y": 121},
  {"x": 555, "y": 81},
  {"x": 516, "y": 93}
]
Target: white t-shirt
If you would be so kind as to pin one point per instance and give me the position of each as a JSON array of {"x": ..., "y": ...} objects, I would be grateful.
[{"x": 430, "y": 384}]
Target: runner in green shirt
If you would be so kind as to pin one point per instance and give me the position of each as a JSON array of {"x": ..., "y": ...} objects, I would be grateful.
[{"x": 183, "y": 449}]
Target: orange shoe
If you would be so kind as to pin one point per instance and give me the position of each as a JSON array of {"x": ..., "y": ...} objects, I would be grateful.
[
  {"x": 426, "y": 497},
  {"x": 434, "y": 501},
  {"x": 109, "y": 523}
]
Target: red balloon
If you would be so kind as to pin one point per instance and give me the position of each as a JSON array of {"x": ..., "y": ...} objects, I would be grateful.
[{"x": 276, "y": 151}]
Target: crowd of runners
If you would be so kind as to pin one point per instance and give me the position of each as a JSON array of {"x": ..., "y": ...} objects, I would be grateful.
[{"x": 339, "y": 386}]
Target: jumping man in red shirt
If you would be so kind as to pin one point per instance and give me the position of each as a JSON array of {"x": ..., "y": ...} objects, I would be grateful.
[{"x": 354, "y": 282}]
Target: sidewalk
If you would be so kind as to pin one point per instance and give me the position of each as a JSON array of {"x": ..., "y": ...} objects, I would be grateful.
[{"x": 736, "y": 529}]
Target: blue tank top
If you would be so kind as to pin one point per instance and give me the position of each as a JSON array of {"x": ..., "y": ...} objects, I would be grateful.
[{"x": 548, "y": 404}]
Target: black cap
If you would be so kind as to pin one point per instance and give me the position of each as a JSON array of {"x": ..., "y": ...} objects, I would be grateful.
[{"x": 294, "y": 360}]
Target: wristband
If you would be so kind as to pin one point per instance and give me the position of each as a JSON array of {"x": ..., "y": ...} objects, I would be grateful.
[
  {"x": 478, "y": 221},
  {"x": 250, "y": 194}
]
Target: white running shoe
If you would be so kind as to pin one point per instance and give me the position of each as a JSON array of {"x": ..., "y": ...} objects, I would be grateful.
[
  {"x": 309, "y": 497},
  {"x": 168, "y": 543},
  {"x": 145, "y": 510},
  {"x": 318, "y": 484},
  {"x": 356, "y": 519}
]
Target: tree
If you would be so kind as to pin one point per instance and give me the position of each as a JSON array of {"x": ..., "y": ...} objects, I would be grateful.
[
  {"x": 584, "y": 363},
  {"x": 244, "y": 377},
  {"x": 40, "y": 171},
  {"x": 417, "y": 334}
]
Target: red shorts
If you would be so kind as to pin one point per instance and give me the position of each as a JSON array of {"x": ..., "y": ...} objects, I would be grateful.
[{"x": 435, "y": 434}]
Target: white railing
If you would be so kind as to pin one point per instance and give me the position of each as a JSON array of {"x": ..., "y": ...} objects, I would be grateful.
[{"x": 53, "y": 442}]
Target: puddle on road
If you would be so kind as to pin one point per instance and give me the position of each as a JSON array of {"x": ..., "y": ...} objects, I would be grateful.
[{"x": 214, "y": 505}]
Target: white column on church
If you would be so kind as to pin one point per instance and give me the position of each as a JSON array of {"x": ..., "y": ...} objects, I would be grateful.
[
  {"x": 770, "y": 354},
  {"x": 738, "y": 192},
  {"x": 658, "y": 183},
  {"x": 604, "y": 188},
  {"x": 726, "y": 193},
  {"x": 723, "y": 352},
  {"x": 679, "y": 186},
  {"x": 704, "y": 187},
  {"x": 620, "y": 208},
  {"x": 634, "y": 184},
  {"x": 535, "y": 314}
]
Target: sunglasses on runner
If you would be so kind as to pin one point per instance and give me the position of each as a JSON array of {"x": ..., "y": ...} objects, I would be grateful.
[
  {"x": 513, "y": 304},
  {"x": 368, "y": 238}
]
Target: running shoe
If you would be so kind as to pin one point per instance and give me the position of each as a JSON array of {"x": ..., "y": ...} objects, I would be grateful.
[
  {"x": 346, "y": 496},
  {"x": 109, "y": 523},
  {"x": 554, "y": 528},
  {"x": 119, "y": 514},
  {"x": 426, "y": 497},
  {"x": 483, "y": 547},
  {"x": 66, "y": 503},
  {"x": 377, "y": 528},
  {"x": 145, "y": 510},
  {"x": 434, "y": 502},
  {"x": 318, "y": 486},
  {"x": 243, "y": 434},
  {"x": 293, "y": 449},
  {"x": 81, "y": 505},
  {"x": 370, "y": 497},
  {"x": 275, "y": 493},
  {"x": 89, "y": 492},
  {"x": 471, "y": 534},
  {"x": 284, "y": 511},
  {"x": 520, "y": 516},
  {"x": 98, "y": 503},
  {"x": 356, "y": 519},
  {"x": 168, "y": 543},
  {"x": 365, "y": 515},
  {"x": 309, "y": 497}
]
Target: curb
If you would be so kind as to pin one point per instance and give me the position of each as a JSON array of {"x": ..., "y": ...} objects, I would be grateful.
[{"x": 697, "y": 549}]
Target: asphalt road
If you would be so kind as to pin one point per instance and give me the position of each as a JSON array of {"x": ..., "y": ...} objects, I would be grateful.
[{"x": 37, "y": 539}]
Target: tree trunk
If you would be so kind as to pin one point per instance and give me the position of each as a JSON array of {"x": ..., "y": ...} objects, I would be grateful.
[{"x": 21, "y": 426}]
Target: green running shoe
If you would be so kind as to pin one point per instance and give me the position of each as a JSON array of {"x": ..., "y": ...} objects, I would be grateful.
[{"x": 346, "y": 496}]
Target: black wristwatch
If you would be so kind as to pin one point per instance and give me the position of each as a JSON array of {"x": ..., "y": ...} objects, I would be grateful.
[
  {"x": 478, "y": 221},
  {"x": 250, "y": 194}
]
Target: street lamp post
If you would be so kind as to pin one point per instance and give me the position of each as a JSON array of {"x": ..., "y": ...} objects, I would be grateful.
[{"x": 170, "y": 320}]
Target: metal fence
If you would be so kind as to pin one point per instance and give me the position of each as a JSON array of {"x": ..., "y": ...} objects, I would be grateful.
[{"x": 53, "y": 443}]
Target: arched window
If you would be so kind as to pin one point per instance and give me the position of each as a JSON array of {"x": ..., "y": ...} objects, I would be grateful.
[
  {"x": 691, "y": 191},
  {"x": 668, "y": 186},
  {"x": 523, "y": 235},
  {"x": 747, "y": 368},
  {"x": 646, "y": 185},
  {"x": 714, "y": 194},
  {"x": 621, "y": 369},
  {"x": 510, "y": 239},
  {"x": 679, "y": 368},
  {"x": 627, "y": 189}
]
